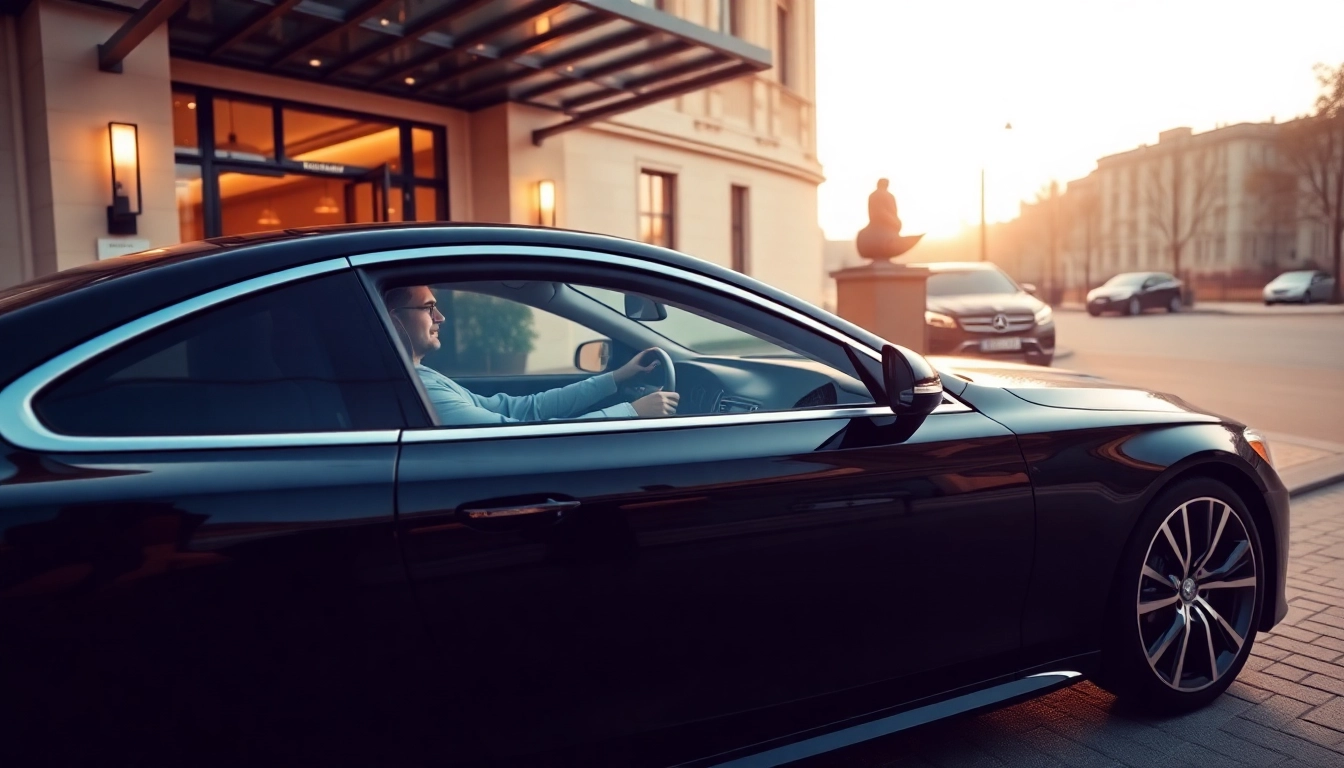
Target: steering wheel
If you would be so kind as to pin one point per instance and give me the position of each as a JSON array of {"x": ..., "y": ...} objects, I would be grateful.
[{"x": 669, "y": 371}]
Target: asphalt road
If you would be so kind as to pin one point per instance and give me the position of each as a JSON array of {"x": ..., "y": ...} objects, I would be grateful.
[{"x": 1276, "y": 373}]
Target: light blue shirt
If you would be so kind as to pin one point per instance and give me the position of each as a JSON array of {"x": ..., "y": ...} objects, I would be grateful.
[{"x": 457, "y": 406}]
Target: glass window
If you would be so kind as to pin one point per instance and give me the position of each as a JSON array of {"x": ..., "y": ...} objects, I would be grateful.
[
  {"x": 302, "y": 358},
  {"x": 969, "y": 282},
  {"x": 190, "y": 210},
  {"x": 499, "y": 351},
  {"x": 244, "y": 130},
  {"x": 657, "y": 208},
  {"x": 422, "y": 148},
  {"x": 738, "y": 228},
  {"x": 783, "y": 32},
  {"x": 185, "y": 139},
  {"x": 313, "y": 137},
  {"x": 426, "y": 204}
]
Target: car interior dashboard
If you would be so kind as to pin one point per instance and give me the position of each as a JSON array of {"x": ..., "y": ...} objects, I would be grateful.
[{"x": 710, "y": 385}]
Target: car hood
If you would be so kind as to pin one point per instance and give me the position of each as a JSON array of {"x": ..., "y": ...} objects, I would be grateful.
[
  {"x": 1113, "y": 291},
  {"x": 1059, "y": 387},
  {"x": 984, "y": 304}
]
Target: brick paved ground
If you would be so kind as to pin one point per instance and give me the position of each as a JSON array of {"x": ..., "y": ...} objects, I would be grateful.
[{"x": 1286, "y": 708}]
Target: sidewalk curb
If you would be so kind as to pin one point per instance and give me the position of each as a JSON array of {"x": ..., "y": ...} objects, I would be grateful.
[{"x": 1313, "y": 475}]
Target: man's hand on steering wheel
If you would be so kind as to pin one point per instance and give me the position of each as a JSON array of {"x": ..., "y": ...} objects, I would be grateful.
[
  {"x": 657, "y": 404},
  {"x": 634, "y": 368}
]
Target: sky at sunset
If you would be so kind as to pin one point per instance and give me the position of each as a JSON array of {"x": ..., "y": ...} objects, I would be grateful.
[{"x": 920, "y": 91}]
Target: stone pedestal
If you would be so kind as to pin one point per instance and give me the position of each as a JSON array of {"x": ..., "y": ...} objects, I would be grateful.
[{"x": 887, "y": 299}]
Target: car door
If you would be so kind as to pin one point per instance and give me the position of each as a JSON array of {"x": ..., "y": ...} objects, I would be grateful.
[
  {"x": 197, "y": 552},
  {"x": 598, "y": 582}
]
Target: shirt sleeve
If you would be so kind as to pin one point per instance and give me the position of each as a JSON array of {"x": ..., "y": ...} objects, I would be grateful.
[{"x": 457, "y": 406}]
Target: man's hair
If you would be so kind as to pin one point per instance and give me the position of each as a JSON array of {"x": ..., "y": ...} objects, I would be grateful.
[{"x": 397, "y": 297}]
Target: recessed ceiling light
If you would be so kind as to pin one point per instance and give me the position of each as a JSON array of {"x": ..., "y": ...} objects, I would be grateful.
[
  {"x": 314, "y": 62},
  {"x": 410, "y": 81},
  {"x": 384, "y": 22},
  {"x": 191, "y": 105}
]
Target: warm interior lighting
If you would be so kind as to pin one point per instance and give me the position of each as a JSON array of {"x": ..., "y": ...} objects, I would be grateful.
[
  {"x": 314, "y": 62},
  {"x": 125, "y": 147},
  {"x": 542, "y": 25},
  {"x": 327, "y": 204},
  {"x": 268, "y": 218},
  {"x": 546, "y": 203},
  {"x": 191, "y": 105},
  {"x": 410, "y": 81}
]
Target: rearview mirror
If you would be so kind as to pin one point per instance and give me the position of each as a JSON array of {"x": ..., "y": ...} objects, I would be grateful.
[
  {"x": 913, "y": 387},
  {"x": 643, "y": 308},
  {"x": 593, "y": 356},
  {"x": 1029, "y": 288}
]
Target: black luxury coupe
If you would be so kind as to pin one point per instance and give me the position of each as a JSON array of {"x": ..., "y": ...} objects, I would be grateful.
[{"x": 481, "y": 495}]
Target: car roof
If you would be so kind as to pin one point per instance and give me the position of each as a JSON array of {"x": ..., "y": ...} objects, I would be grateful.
[
  {"x": 46, "y": 316},
  {"x": 956, "y": 266}
]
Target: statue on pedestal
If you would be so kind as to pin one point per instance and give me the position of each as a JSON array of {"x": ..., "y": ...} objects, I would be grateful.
[{"x": 882, "y": 238}]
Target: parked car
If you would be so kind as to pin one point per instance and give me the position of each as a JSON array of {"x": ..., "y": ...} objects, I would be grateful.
[
  {"x": 1302, "y": 286},
  {"x": 975, "y": 308},
  {"x": 237, "y": 527},
  {"x": 1133, "y": 292}
]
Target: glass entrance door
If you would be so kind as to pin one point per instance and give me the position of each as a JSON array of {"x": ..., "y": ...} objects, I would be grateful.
[{"x": 369, "y": 198}]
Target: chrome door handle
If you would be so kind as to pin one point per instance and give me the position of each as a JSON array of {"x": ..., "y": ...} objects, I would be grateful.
[{"x": 495, "y": 513}]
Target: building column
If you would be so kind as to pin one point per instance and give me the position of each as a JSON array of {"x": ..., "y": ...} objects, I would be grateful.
[
  {"x": 67, "y": 105},
  {"x": 506, "y": 166}
]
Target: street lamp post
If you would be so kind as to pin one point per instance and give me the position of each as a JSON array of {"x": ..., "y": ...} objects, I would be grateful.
[{"x": 983, "y": 229}]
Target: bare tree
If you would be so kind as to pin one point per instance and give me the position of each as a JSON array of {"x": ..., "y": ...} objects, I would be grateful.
[
  {"x": 1313, "y": 147},
  {"x": 1185, "y": 188},
  {"x": 1051, "y": 229},
  {"x": 1084, "y": 211},
  {"x": 1275, "y": 192}
]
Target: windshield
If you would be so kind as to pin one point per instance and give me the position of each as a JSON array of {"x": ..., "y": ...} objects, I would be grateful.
[
  {"x": 1294, "y": 278},
  {"x": 969, "y": 281},
  {"x": 689, "y": 330},
  {"x": 1131, "y": 278}
]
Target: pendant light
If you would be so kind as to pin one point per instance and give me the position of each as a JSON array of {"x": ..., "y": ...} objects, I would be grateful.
[
  {"x": 268, "y": 218},
  {"x": 233, "y": 147},
  {"x": 327, "y": 204}
]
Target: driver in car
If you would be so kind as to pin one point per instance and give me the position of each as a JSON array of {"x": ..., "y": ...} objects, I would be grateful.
[{"x": 416, "y": 313}]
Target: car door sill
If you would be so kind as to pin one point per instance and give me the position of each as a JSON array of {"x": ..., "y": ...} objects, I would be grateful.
[{"x": 783, "y": 751}]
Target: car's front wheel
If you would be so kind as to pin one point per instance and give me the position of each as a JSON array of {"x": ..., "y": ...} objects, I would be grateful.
[
  {"x": 1187, "y": 599},
  {"x": 1174, "y": 305},
  {"x": 1134, "y": 307}
]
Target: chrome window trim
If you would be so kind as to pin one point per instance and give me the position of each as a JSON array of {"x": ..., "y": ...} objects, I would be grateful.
[
  {"x": 20, "y": 426},
  {"x": 579, "y": 428}
]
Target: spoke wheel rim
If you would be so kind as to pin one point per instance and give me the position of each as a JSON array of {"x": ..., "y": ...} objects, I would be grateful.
[{"x": 1196, "y": 594}]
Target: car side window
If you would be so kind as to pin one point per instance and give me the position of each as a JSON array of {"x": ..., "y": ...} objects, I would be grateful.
[
  {"x": 305, "y": 357},
  {"x": 508, "y": 351}
]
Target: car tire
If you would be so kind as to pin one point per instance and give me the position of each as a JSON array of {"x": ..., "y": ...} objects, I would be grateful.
[
  {"x": 1164, "y": 649},
  {"x": 1306, "y": 297},
  {"x": 1093, "y": 311},
  {"x": 1268, "y": 303},
  {"x": 1133, "y": 307},
  {"x": 1174, "y": 305}
]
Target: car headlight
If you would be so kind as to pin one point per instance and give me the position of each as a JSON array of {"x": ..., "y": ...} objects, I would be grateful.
[
  {"x": 939, "y": 320},
  {"x": 1044, "y": 315},
  {"x": 1260, "y": 445}
]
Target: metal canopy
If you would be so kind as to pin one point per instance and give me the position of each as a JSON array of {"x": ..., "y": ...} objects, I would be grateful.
[{"x": 588, "y": 59}]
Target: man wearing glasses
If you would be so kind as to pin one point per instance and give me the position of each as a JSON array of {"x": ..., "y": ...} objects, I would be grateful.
[{"x": 416, "y": 316}]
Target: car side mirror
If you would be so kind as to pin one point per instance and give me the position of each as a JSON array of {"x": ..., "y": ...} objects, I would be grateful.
[
  {"x": 1029, "y": 288},
  {"x": 643, "y": 308},
  {"x": 913, "y": 387},
  {"x": 593, "y": 356}
]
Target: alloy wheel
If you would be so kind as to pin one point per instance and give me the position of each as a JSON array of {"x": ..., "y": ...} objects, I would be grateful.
[
  {"x": 1134, "y": 307},
  {"x": 1197, "y": 594},
  {"x": 1175, "y": 304}
]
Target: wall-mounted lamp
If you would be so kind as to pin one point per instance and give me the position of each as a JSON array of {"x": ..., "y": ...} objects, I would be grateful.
[
  {"x": 124, "y": 139},
  {"x": 546, "y": 203}
]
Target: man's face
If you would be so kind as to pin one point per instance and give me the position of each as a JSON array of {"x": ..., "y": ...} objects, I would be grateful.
[{"x": 420, "y": 316}]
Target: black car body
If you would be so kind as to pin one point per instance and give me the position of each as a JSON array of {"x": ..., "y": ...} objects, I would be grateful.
[
  {"x": 1130, "y": 293},
  {"x": 254, "y": 544},
  {"x": 974, "y": 308}
]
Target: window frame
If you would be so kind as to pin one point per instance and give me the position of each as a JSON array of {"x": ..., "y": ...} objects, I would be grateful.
[
  {"x": 739, "y": 227},
  {"x": 668, "y": 216}
]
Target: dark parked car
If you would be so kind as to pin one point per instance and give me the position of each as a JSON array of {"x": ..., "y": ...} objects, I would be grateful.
[
  {"x": 243, "y": 518},
  {"x": 974, "y": 308},
  {"x": 1301, "y": 286},
  {"x": 1133, "y": 292}
]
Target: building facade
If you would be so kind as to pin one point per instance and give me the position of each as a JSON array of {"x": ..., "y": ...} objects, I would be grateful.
[
  {"x": 686, "y": 123},
  {"x": 1213, "y": 195}
]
